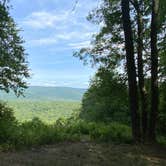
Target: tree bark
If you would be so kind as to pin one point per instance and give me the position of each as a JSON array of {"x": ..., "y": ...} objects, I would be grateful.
[
  {"x": 154, "y": 71},
  {"x": 142, "y": 88},
  {"x": 131, "y": 70}
]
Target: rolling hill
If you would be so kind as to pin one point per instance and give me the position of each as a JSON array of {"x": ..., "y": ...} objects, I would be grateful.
[{"x": 47, "y": 93}]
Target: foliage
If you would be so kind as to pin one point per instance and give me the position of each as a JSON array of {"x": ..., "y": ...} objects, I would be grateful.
[
  {"x": 162, "y": 110},
  {"x": 108, "y": 46},
  {"x": 7, "y": 122},
  {"x": 36, "y": 132},
  {"x": 47, "y": 111},
  {"x": 161, "y": 140},
  {"x": 114, "y": 132},
  {"x": 13, "y": 63},
  {"x": 106, "y": 99}
]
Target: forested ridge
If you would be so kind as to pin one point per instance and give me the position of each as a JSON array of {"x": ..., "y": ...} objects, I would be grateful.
[
  {"x": 47, "y": 93},
  {"x": 122, "y": 115}
]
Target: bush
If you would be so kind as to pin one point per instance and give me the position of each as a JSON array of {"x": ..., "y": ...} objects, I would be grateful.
[
  {"x": 113, "y": 132},
  {"x": 161, "y": 140},
  {"x": 161, "y": 126},
  {"x": 35, "y": 132},
  {"x": 8, "y": 123}
]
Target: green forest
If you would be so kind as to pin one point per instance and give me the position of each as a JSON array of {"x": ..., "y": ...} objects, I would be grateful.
[
  {"x": 119, "y": 119},
  {"x": 47, "y": 111}
]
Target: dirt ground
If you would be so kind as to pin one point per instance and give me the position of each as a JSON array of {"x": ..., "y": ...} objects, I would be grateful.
[{"x": 86, "y": 154}]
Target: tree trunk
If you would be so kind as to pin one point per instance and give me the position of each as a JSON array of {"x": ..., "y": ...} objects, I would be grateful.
[
  {"x": 142, "y": 88},
  {"x": 154, "y": 71},
  {"x": 131, "y": 70}
]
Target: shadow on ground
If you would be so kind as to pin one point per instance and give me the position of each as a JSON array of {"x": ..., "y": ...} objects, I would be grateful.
[{"x": 86, "y": 154}]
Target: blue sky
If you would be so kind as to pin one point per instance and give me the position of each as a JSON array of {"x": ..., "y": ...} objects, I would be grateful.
[{"x": 52, "y": 31}]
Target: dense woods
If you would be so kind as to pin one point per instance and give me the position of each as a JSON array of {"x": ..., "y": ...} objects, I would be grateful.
[{"x": 129, "y": 43}]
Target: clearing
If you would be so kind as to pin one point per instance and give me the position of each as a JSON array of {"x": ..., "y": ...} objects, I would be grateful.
[{"x": 86, "y": 154}]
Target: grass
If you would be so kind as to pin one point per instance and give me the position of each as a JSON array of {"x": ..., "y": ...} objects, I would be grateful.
[{"x": 47, "y": 111}]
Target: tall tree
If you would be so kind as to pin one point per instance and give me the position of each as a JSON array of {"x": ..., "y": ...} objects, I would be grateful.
[
  {"x": 139, "y": 5},
  {"x": 154, "y": 70},
  {"x": 13, "y": 63},
  {"x": 131, "y": 69},
  {"x": 108, "y": 50}
]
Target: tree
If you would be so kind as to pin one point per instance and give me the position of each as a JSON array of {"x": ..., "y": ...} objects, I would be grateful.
[
  {"x": 108, "y": 49},
  {"x": 131, "y": 70},
  {"x": 103, "y": 102},
  {"x": 139, "y": 5},
  {"x": 13, "y": 64},
  {"x": 154, "y": 70}
]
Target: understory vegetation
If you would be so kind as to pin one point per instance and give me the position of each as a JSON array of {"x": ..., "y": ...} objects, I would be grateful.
[{"x": 16, "y": 134}]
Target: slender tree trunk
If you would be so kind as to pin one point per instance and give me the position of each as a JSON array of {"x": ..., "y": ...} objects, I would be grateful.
[
  {"x": 154, "y": 71},
  {"x": 142, "y": 88},
  {"x": 131, "y": 70}
]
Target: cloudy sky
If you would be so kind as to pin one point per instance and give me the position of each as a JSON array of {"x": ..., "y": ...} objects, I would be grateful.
[{"x": 53, "y": 30}]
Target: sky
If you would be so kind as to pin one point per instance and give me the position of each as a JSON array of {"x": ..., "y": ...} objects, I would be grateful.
[{"x": 53, "y": 30}]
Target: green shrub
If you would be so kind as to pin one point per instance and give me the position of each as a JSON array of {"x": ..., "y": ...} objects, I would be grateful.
[
  {"x": 113, "y": 132},
  {"x": 31, "y": 132},
  {"x": 35, "y": 132},
  {"x": 8, "y": 123},
  {"x": 161, "y": 140},
  {"x": 161, "y": 126}
]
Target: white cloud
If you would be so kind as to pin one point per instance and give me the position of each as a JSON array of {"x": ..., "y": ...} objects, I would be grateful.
[
  {"x": 79, "y": 45},
  {"x": 74, "y": 35},
  {"x": 59, "y": 27},
  {"x": 53, "y": 29},
  {"x": 78, "y": 37},
  {"x": 60, "y": 19},
  {"x": 44, "y": 19},
  {"x": 43, "y": 41}
]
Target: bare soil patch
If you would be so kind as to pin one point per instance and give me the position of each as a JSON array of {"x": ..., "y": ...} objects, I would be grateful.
[{"x": 86, "y": 154}]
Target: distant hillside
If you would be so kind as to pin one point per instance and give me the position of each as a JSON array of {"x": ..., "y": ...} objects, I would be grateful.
[{"x": 47, "y": 93}]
